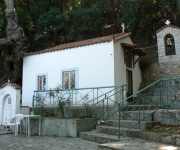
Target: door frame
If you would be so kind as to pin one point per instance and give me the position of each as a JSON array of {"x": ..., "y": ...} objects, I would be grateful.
[{"x": 5, "y": 99}]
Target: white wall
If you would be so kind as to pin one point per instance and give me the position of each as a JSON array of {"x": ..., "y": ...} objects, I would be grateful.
[
  {"x": 95, "y": 63},
  {"x": 120, "y": 66},
  {"x": 136, "y": 78}
]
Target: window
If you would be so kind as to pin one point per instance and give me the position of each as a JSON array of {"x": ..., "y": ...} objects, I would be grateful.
[
  {"x": 69, "y": 78},
  {"x": 42, "y": 82},
  {"x": 9, "y": 100}
]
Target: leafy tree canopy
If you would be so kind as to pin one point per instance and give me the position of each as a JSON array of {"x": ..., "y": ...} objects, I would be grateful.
[{"x": 51, "y": 22}]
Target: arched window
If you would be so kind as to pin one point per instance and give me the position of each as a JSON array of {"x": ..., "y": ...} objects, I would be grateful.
[{"x": 169, "y": 45}]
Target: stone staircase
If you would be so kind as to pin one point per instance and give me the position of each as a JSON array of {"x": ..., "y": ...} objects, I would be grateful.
[
  {"x": 172, "y": 93},
  {"x": 139, "y": 115},
  {"x": 3, "y": 130},
  {"x": 129, "y": 125}
]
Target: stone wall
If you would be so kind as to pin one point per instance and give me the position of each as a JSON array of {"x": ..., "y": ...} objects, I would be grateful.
[
  {"x": 160, "y": 70},
  {"x": 79, "y": 111},
  {"x": 170, "y": 117},
  {"x": 161, "y": 137},
  {"x": 57, "y": 127}
]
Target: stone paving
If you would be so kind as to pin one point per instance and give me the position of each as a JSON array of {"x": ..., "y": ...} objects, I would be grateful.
[
  {"x": 128, "y": 143},
  {"x": 22, "y": 142}
]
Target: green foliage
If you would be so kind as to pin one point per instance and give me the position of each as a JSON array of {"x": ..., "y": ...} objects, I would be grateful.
[
  {"x": 88, "y": 18},
  {"x": 38, "y": 8},
  {"x": 75, "y": 20},
  {"x": 51, "y": 21},
  {"x": 129, "y": 13},
  {"x": 161, "y": 131},
  {"x": 3, "y": 21},
  {"x": 36, "y": 134},
  {"x": 88, "y": 111},
  {"x": 39, "y": 110},
  {"x": 25, "y": 20},
  {"x": 61, "y": 103}
]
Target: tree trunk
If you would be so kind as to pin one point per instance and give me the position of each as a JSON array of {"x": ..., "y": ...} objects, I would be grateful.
[{"x": 12, "y": 46}]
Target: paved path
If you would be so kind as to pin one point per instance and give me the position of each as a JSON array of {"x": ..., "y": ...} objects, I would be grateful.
[
  {"x": 22, "y": 142},
  {"x": 128, "y": 143}
]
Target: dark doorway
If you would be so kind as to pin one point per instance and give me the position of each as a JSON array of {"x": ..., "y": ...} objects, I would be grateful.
[
  {"x": 129, "y": 82},
  {"x": 129, "y": 78}
]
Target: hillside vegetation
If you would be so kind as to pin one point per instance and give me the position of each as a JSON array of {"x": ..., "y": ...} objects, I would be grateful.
[{"x": 47, "y": 23}]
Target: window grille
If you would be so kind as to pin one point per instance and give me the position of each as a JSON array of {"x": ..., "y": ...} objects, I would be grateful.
[
  {"x": 42, "y": 83},
  {"x": 68, "y": 79}
]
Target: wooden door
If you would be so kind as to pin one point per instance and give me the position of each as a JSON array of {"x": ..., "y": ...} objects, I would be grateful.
[
  {"x": 129, "y": 82},
  {"x": 129, "y": 76}
]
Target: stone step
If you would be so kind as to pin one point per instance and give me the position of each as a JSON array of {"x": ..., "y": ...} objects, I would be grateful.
[
  {"x": 2, "y": 128},
  {"x": 115, "y": 131},
  {"x": 143, "y": 115},
  {"x": 131, "y": 123},
  {"x": 98, "y": 137},
  {"x": 141, "y": 107},
  {"x": 4, "y": 132},
  {"x": 154, "y": 101}
]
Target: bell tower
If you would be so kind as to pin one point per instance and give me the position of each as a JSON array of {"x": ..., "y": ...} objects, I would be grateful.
[{"x": 168, "y": 38}]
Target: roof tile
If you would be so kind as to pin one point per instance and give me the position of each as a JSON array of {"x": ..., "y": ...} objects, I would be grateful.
[
  {"x": 166, "y": 27},
  {"x": 14, "y": 85},
  {"x": 109, "y": 38}
]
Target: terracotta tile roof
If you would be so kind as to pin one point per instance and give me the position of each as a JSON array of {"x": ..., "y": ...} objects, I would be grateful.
[
  {"x": 14, "y": 85},
  {"x": 115, "y": 37},
  {"x": 166, "y": 27}
]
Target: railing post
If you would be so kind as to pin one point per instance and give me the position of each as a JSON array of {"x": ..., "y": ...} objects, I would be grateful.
[
  {"x": 123, "y": 95},
  {"x": 33, "y": 100},
  {"x": 97, "y": 94},
  {"x": 160, "y": 94},
  {"x": 139, "y": 109},
  {"x": 103, "y": 109},
  {"x": 72, "y": 95},
  {"x": 143, "y": 107},
  {"x": 119, "y": 129},
  {"x": 85, "y": 120},
  {"x": 167, "y": 95},
  {"x": 77, "y": 92},
  {"x": 107, "y": 106},
  {"x": 93, "y": 95}
]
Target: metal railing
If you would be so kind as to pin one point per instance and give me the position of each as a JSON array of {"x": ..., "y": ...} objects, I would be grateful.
[
  {"x": 162, "y": 94},
  {"x": 75, "y": 97}
]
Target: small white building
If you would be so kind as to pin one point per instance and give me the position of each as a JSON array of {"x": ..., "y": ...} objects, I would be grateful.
[
  {"x": 10, "y": 101},
  {"x": 104, "y": 61}
]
